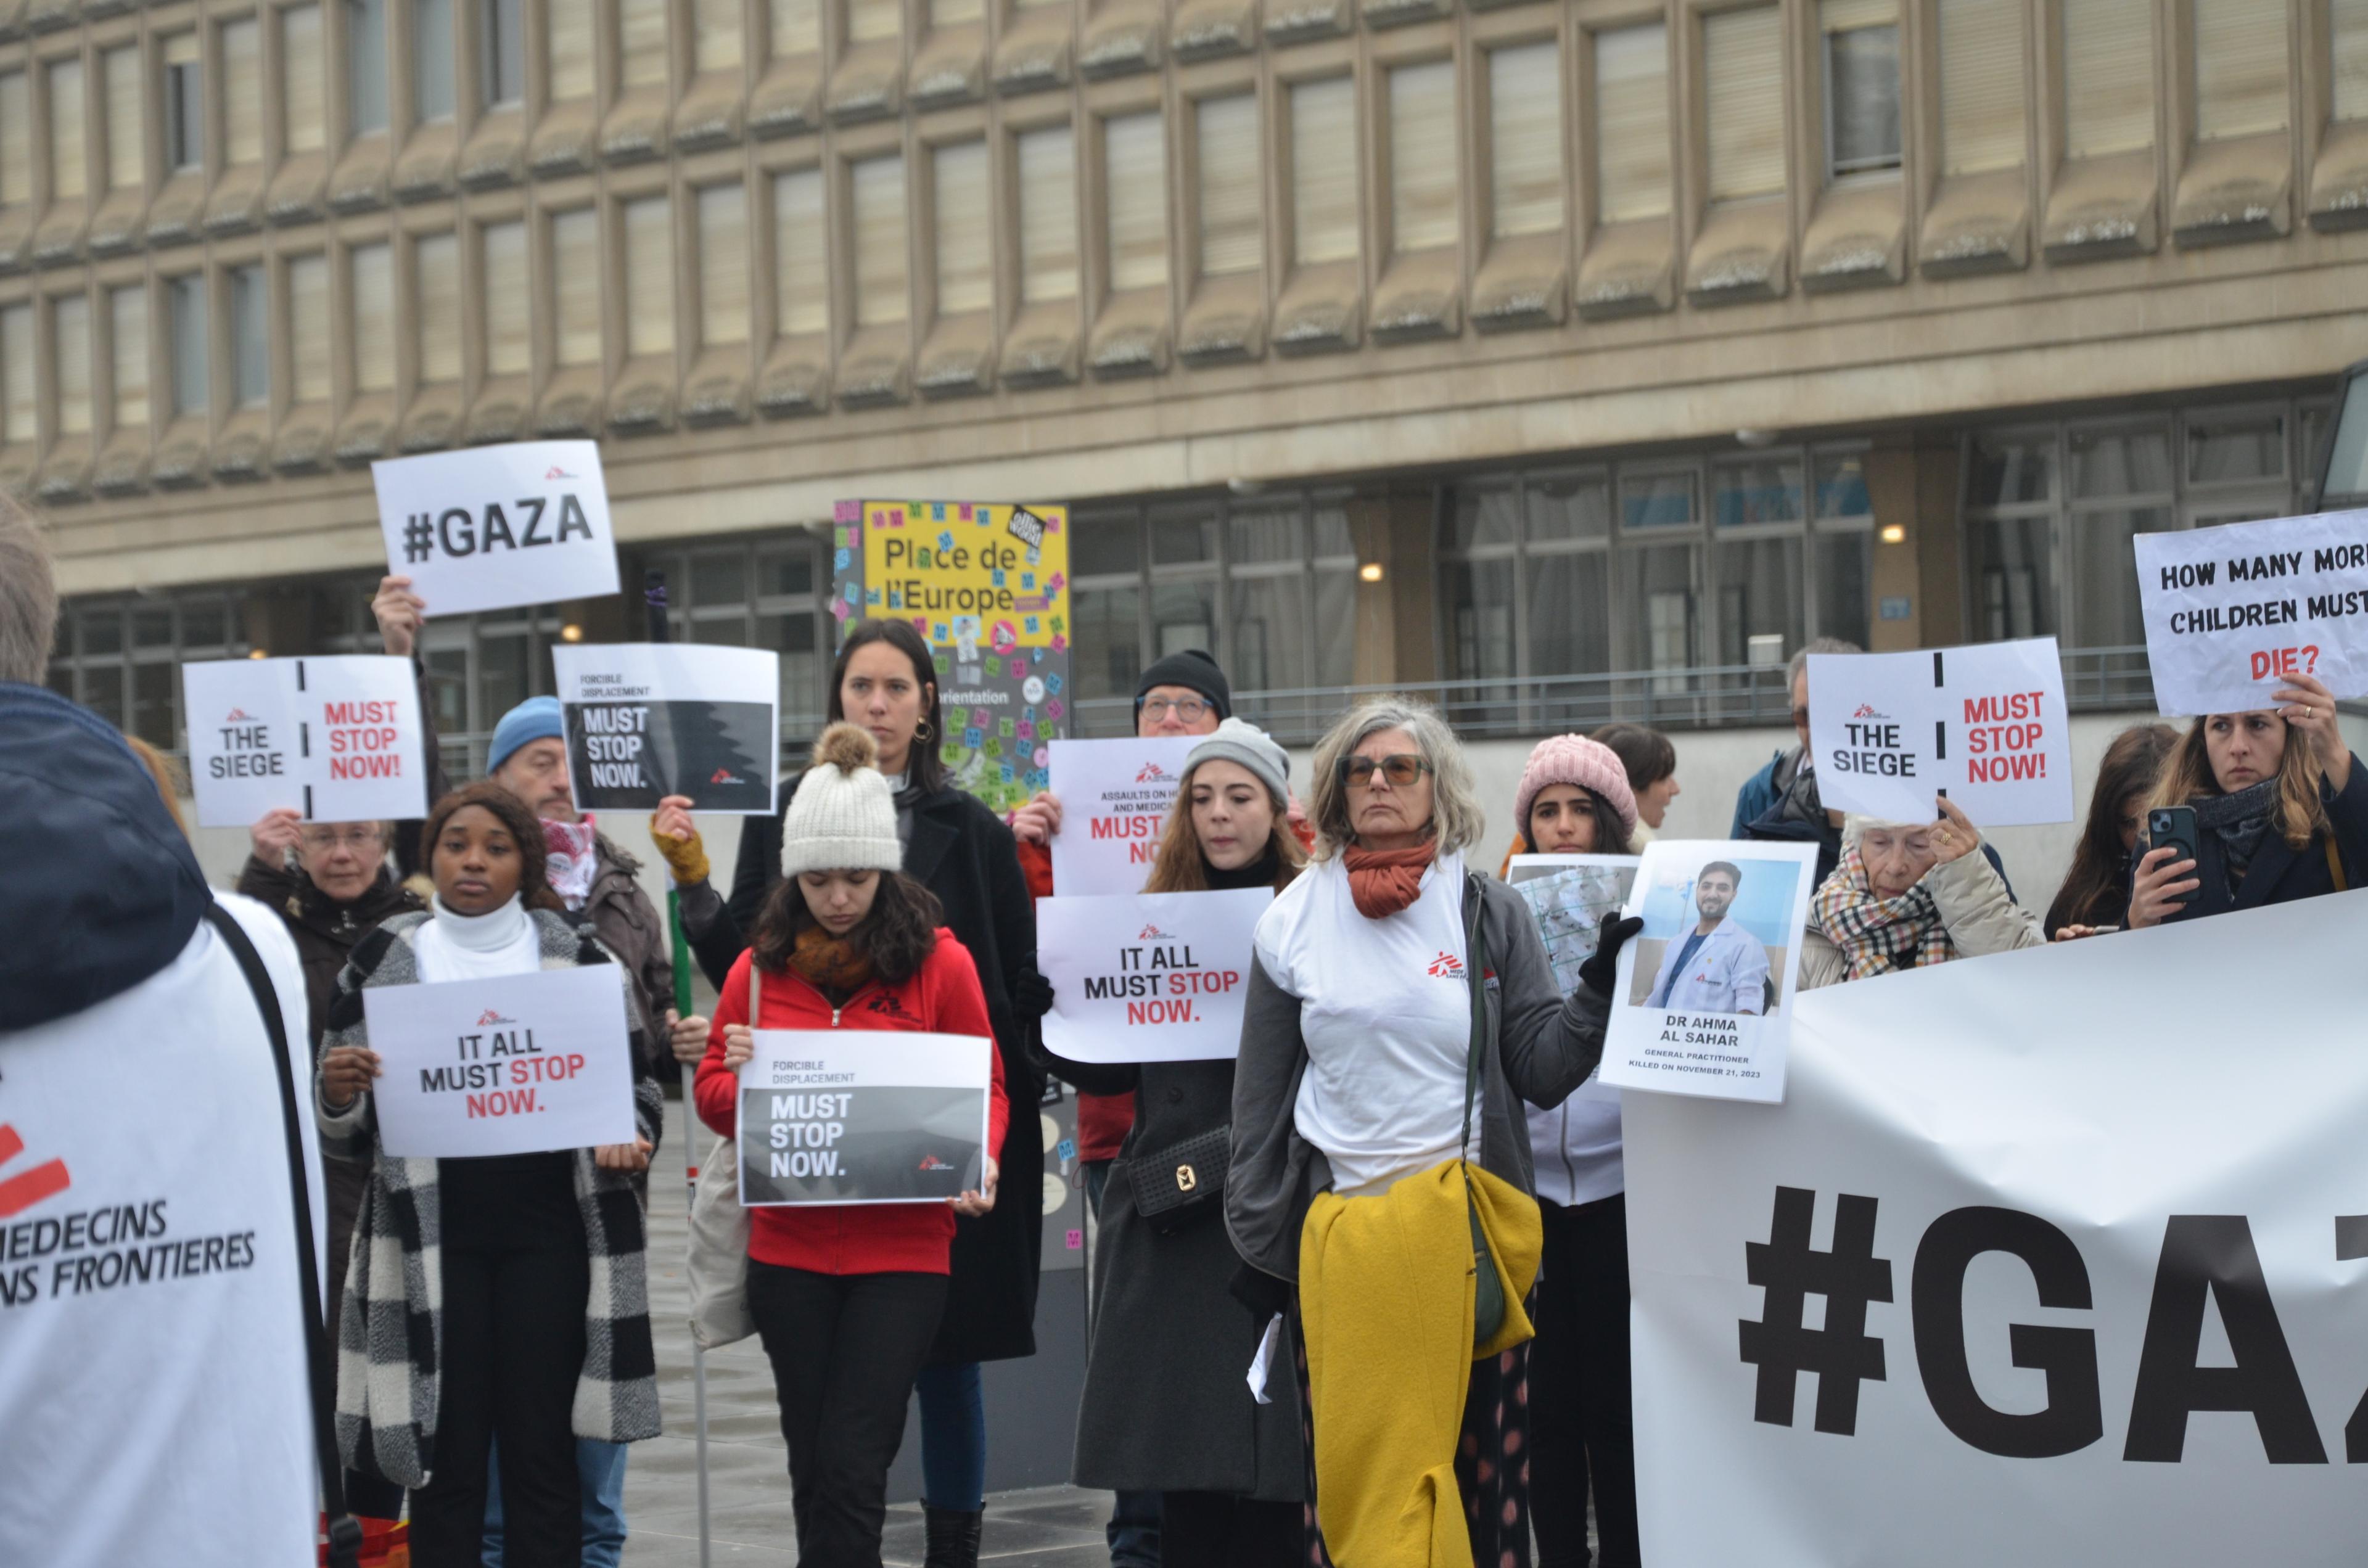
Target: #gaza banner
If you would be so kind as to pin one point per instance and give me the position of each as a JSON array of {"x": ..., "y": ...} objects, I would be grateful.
[
  {"x": 1703, "y": 1001},
  {"x": 336, "y": 739},
  {"x": 649, "y": 719},
  {"x": 1985, "y": 725},
  {"x": 1114, "y": 799},
  {"x": 2008, "y": 1279},
  {"x": 1569, "y": 896},
  {"x": 1148, "y": 977},
  {"x": 516, "y": 1065},
  {"x": 834, "y": 1116},
  {"x": 988, "y": 586},
  {"x": 488, "y": 528},
  {"x": 2233, "y": 609}
]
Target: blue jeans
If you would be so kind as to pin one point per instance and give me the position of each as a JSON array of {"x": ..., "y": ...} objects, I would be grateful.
[
  {"x": 601, "y": 1467},
  {"x": 953, "y": 1437}
]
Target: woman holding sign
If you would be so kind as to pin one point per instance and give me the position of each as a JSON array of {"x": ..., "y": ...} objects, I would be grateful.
[
  {"x": 2267, "y": 807},
  {"x": 885, "y": 683},
  {"x": 1910, "y": 894},
  {"x": 1163, "y": 1408},
  {"x": 1401, "y": 1009},
  {"x": 847, "y": 1298},
  {"x": 495, "y": 1255}
]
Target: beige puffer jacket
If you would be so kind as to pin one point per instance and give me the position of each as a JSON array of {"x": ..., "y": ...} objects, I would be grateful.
[{"x": 1979, "y": 916}]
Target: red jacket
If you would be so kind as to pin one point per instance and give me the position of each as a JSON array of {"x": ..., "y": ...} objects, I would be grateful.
[
  {"x": 943, "y": 997},
  {"x": 1102, "y": 1119}
]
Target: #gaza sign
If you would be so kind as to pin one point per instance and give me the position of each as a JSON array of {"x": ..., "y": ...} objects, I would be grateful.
[
  {"x": 1985, "y": 725},
  {"x": 516, "y": 1065},
  {"x": 1115, "y": 797},
  {"x": 829, "y": 1116},
  {"x": 2232, "y": 610},
  {"x": 2006, "y": 1280},
  {"x": 1703, "y": 1001},
  {"x": 488, "y": 528},
  {"x": 649, "y": 719},
  {"x": 335, "y": 739},
  {"x": 1148, "y": 977}
]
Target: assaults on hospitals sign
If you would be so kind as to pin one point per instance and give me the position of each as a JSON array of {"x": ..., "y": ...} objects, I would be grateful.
[
  {"x": 1115, "y": 796},
  {"x": 1148, "y": 977},
  {"x": 488, "y": 528},
  {"x": 649, "y": 719},
  {"x": 2231, "y": 610},
  {"x": 514, "y": 1065},
  {"x": 863, "y": 1116},
  {"x": 336, "y": 739},
  {"x": 2014, "y": 1276}
]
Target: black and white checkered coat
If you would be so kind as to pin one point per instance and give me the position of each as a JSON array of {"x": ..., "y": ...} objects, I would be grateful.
[{"x": 390, "y": 1334}]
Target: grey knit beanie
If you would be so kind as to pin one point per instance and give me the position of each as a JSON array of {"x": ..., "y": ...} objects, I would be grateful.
[
  {"x": 843, "y": 817},
  {"x": 1239, "y": 741}
]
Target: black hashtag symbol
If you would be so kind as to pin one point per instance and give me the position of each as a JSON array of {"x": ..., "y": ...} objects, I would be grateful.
[
  {"x": 1841, "y": 1353},
  {"x": 418, "y": 537}
]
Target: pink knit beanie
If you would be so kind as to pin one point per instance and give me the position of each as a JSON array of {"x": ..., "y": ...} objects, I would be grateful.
[{"x": 1574, "y": 759}]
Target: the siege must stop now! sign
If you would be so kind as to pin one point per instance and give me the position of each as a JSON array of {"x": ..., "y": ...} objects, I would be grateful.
[
  {"x": 1148, "y": 977},
  {"x": 336, "y": 739},
  {"x": 1985, "y": 725}
]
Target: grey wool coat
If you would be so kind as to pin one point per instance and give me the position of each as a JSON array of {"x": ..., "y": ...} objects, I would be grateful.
[
  {"x": 1166, "y": 1407},
  {"x": 391, "y": 1329}
]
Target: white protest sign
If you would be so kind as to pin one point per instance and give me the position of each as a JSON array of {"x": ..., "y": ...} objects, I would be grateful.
[
  {"x": 1148, "y": 977},
  {"x": 1115, "y": 797},
  {"x": 1984, "y": 725},
  {"x": 2014, "y": 1278},
  {"x": 516, "y": 1065},
  {"x": 487, "y": 527},
  {"x": 649, "y": 719},
  {"x": 1569, "y": 896},
  {"x": 336, "y": 739},
  {"x": 1703, "y": 1001},
  {"x": 2231, "y": 610},
  {"x": 833, "y": 1115}
]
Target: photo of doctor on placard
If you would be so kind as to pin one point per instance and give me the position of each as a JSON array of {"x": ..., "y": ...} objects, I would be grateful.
[{"x": 1707, "y": 985}]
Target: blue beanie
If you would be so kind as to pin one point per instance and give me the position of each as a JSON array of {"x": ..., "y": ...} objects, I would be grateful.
[{"x": 536, "y": 719}]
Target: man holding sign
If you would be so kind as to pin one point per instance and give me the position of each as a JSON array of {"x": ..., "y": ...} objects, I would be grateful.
[
  {"x": 510, "y": 1239},
  {"x": 848, "y": 1262}
]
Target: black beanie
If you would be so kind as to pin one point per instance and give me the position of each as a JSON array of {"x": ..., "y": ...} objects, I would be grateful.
[{"x": 1192, "y": 668}]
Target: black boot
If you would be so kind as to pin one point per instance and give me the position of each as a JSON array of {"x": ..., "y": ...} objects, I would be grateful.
[{"x": 952, "y": 1538}]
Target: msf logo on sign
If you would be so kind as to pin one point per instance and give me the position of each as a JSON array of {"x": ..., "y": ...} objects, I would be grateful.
[
  {"x": 21, "y": 1191},
  {"x": 1447, "y": 966},
  {"x": 931, "y": 1163},
  {"x": 1153, "y": 933},
  {"x": 237, "y": 716},
  {"x": 1866, "y": 711},
  {"x": 489, "y": 1017},
  {"x": 723, "y": 775},
  {"x": 2207, "y": 1260},
  {"x": 1152, "y": 774}
]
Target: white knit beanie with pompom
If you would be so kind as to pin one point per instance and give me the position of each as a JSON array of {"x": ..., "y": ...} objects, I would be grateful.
[{"x": 843, "y": 817}]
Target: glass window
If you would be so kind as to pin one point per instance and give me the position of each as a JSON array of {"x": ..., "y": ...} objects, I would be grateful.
[
  {"x": 1423, "y": 184},
  {"x": 2230, "y": 447},
  {"x": 304, "y": 108},
  {"x": 1743, "y": 77},
  {"x": 128, "y": 328},
  {"x": 1269, "y": 628},
  {"x": 505, "y": 69},
  {"x": 882, "y": 265},
  {"x": 2011, "y": 469},
  {"x": 126, "y": 92},
  {"x": 185, "y": 103},
  {"x": 1268, "y": 534},
  {"x": 796, "y": 27},
  {"x": 1480, "y": 618},
  {"x": 1484, "y": 516},
  {"x": 575, "y": 264},
  {"x": 186, "y": 296},
  {"x": 1650, "y": 500},
  {"x": 1109, "y": 650},
  {"x": 1757, "y": 490},
  {"x": 1569, "y": 613},
  {"x": 431, "y": 60},
  {"x": 1567, "y": 508},
  {"x": 308, "y": 309},
  {"x": 18, "y": 374},
  {"x": 723, "y": 264},
  {"x": 1525, "y": 173},
  {"x": 1658, "y": 589},
  {"x": 1632, "y": 123},
  {"x": 1845, "y": 583},
  {"x": 1761, "y": 584},
  {"x": 802, "y": 269},
  {"x": 372, "y": 272},
  {"x": 69, "y": 162},
  {"x": 15, "y": 140},
  {"x": 649, "y": 276},
  {"x": 1232, "y": 218},
  {"x": 241, "y": 57},
  {"x": 1322, "y": 171},
  {"x": 2104, "y": 568},
  {"x": 1135, "y": 166},
  {"x": 435, "y": 263},
  {"x": 508, "y": 305},
  {"x": 1183, "y": 615},
  {"x": 1841, "y": 486},
  {"x": 2119, "y": 462},
  {"x": 250, "y": 340},
  {"x": 365, "y": 66},
  {"x": 69, "y": 324},
  {"x": 965, "y": 252},
  {"x": 1102, "y": 545},
  {"x": 1181, "y": 536},
  {"x": 1048, "y": 215},
  {"x": 1862, "y": 100},
  {"x": 2010, "y": 568}
]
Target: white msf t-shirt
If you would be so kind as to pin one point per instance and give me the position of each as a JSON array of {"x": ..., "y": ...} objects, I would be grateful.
[{"x": 1386, "y": 1011}]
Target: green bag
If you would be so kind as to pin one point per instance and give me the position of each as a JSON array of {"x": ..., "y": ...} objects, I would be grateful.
[{"x": 1488, "y": 1288}]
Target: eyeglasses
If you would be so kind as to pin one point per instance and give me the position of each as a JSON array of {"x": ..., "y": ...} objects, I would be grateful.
[
  {"x": 1401, "y": 770},
  {"x": 1188, "y": 709},
  {"x": 359, "y": 836}
]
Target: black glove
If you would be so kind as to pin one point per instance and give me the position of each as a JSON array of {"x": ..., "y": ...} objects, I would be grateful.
[
  {"x": 1602, "y": 966},
  {"x": 1031, "y": 995}
]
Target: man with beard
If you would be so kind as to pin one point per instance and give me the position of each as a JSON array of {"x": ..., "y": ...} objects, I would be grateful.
[{"x": 1718, "y": 967}]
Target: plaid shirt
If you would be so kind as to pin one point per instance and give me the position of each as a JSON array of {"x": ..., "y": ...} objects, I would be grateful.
[{"x": 390, "y": 1334}]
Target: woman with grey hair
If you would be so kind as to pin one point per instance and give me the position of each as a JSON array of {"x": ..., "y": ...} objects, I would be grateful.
[
  {"x": 1907, "y": 895},
  {"x": 1400, "y": 1010}
]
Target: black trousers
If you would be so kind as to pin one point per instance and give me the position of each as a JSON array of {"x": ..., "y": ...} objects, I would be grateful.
[
  {"x": 846, "y": 1349},
  {"x": 1582, "y": 1430},
  {"x": 1223, "y": 1529},
  {"x": 513, "y": 1352}
]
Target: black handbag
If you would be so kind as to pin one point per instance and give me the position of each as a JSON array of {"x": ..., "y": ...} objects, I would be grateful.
[{"x": 1176, "y": 1185}]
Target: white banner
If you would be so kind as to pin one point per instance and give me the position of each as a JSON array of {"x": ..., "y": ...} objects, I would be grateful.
[
  {"x": 336, "y": 739},
  {"x": 2230, "y": 609},
  {"x": 487, "y": 527},
  {"x": 649, "y": 719},
  {"x": 1148, "y": 977},
  {"x": 2054, "y": 1257},
  {"x": 1115, "y": 797},
  {"x": 517, "y": 1065},
  {"x": 1703, "y": 1001},
  {"x": 1985, "y": 724},
  {"x": 845, "y": 1116}
]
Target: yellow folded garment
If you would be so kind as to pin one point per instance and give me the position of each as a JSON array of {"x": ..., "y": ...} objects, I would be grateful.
[{"x": 1385, "y": 1291}]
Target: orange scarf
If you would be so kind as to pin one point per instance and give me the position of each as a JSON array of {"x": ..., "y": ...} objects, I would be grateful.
[
  {"x": 835, "y": 966},
  {"x": 1383, "y": 881}
]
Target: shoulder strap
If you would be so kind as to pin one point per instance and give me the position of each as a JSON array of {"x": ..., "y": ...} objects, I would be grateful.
[
  {"x": 1474, "y": 961},
  {"x": 345, "y": 1534},
  {"x": 2335, "y": 864}
]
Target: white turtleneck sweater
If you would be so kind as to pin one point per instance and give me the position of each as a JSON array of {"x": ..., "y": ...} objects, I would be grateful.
[{"x": 477, "y": 947}]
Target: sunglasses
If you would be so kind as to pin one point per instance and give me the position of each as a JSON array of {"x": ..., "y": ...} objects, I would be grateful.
[{"x": 1401, "y": 769}]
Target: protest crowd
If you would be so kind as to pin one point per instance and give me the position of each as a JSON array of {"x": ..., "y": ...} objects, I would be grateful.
[{"x": 1393, "y": 1204}]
